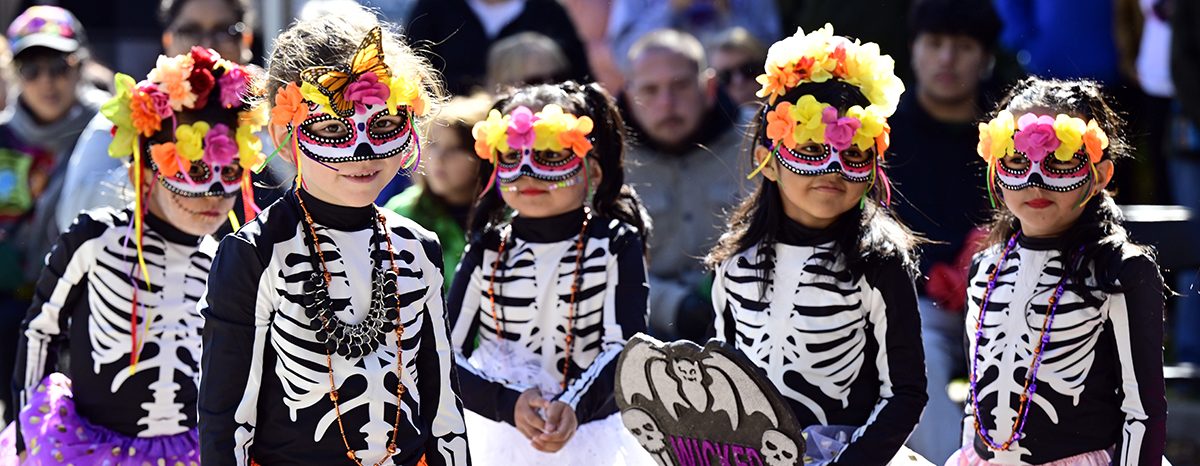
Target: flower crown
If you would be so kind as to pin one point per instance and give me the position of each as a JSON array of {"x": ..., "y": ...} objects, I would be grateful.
[
  {"x": 820, "y": 56},
  {"x": 342, "y": 90},
  {"x": 548, "y": 130},
  {"x": 1037, "y": 136},
  {"x": 184, "y": 83},
  {"x": 808, "y": 119}
]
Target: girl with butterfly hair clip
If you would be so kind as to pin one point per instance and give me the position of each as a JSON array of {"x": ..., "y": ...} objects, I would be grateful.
[
  {"x": 121, "y": 286},
  {"x": 325, "y": 327},
  {"x": 553, "y": 282},
  {"x": 1064, "y": 321},
  {"x": 814, "y": 278}
]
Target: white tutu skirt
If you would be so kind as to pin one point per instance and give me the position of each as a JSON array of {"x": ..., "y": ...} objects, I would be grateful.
[{"x": 600, "y": 442}]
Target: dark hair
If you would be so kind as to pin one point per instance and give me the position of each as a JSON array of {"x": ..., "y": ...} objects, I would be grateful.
[
  {"x": 1098, "y": 229},
  {"x": 168, "y": 11},
  {"x": 871, "y": 233},
  {"x": 974, "y": 18},
  {"x": 613, "y": 198}
]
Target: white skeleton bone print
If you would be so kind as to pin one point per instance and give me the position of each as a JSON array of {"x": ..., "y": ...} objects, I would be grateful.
[
  {"x": 1006, "y": 350},
  {"x": 818, "y": 334},
  {"x": 168, "y": 322},
  {"x": 302, "y": 363}
]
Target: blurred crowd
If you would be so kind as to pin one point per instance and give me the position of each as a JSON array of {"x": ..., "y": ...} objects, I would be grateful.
[{"x": 685, "y": 75}]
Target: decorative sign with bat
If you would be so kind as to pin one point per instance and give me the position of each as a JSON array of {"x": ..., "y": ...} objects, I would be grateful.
[{"x": 693, "y": 406}]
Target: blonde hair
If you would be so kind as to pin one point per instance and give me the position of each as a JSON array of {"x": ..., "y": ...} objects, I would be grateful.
[
  {"x": 461, "y": 113},
  {"x": 332, "y": 40}
]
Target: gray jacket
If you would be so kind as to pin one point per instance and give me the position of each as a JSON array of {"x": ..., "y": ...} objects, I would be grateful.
[{"x": 688, "y": 196}]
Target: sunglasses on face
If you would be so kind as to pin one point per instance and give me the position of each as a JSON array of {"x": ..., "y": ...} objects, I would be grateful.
[
  {"x": 745, "y": 71},
  {"x": 56, "y": 68},
  {"x": 196, "y": 34}
]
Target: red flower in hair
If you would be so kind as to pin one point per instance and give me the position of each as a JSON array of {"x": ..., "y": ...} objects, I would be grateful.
[
  {"x": 203, "y": 58},
  {"x": 202, "y": 84}
]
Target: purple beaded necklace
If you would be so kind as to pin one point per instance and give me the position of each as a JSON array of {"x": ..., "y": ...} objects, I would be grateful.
[{"x": 1038, "y": 352}]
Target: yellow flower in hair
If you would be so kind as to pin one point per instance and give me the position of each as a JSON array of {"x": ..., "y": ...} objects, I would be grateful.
[
  {"x": 1070, "y": 136},
  {"x": 575, "y": 137},
  {"x": 872, "y": 125},
  {"x": 491, "y": 135},
  {"x": 118, "y": 111},
  {"x": 249, "y": 147},
  {"x": 256, "y": 117},
  {"x": 314, "y": 95},
  {"x": 551, "y": 122},
  {"x": 189, "y": 140},
  {"x": 405, "y": 91},
  {"x": 996, "y": 137},
  {"x": 807, "y": 114}
]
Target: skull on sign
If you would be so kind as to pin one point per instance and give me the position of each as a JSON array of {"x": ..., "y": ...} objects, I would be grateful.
[
  {"x": 779, "y": 450},
  {"x": 645, "y": 429}
]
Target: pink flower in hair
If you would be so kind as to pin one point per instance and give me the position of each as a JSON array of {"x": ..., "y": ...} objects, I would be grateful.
[
  {"x": 839, "y": 132},
  {"x": 219, "y": 146},
  {"x": 367, "y": 91},
  {"x": 162, "y": 104},
  {"x": 233, "y": 86},
  {"x": 1035, "y": 136},
  {"x": 520, "y": 128}
]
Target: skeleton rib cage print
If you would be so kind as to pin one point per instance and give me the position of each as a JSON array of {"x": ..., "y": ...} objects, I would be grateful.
[
  {"x": 532, "y": 297},
  {"x": 257, "y": 330},
  {"x": 842, "y": 348},
  {"x": 86, "y": 295},
  {"x": 1099, "y": 385}
]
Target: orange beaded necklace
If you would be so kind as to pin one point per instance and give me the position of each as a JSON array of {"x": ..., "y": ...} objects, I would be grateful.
[{"x": 580, "y": 242}]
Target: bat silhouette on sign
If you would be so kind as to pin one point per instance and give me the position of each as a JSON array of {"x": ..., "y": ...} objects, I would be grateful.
[{"x": 709, "y": 382}]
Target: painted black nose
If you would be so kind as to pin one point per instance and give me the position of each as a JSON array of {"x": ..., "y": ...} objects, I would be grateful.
[
  {"x": 364, "y": 151},
  {"x": 1036, "y": 178},
  {"x": 216, "y": 189}
]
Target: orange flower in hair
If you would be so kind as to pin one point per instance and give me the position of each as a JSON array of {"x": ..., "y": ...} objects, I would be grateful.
[
  {"x": 290, "y": 107},
  {"x": 168, "y": 160},
  {"x": 780, "y": 125}
]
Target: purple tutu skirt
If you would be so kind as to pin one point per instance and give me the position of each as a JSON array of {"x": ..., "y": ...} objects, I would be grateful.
[{"x": 55, "y": 434}]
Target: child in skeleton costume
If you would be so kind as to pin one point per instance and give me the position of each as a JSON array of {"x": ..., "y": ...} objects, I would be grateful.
[
  {"x": 1064, "y": 323},
  {"x": 553, "y": 283},
  {"x": 122, "y": 286},
  {"x": 814, "y": 279},
  {"x": 325, "y": 334}
]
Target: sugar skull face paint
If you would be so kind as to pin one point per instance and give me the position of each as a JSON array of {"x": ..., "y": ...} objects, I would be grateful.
[
  {"x": 814, "y": 159},
  {"x": 1018, "y": 172},
  {"x": 374, "y": 134},
  {"x": 219, "y": 180},
  {"x": 541, "y": 165}
]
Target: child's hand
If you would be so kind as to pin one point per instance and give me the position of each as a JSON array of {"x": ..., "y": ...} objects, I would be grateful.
[
  {"x": 525, "y": 414},
  {"x": 560, "y": 425}
]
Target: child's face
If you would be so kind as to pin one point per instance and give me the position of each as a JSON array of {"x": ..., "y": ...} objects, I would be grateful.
[
  {"x": 348, "y": 161},
  {"x": 197, "y": 216},
  {"x": 813, "y": 200},
  {"x": 1044, "y": 212},
  {"x": 533, "y": 196},
  {"x": 451, "y": 169}
]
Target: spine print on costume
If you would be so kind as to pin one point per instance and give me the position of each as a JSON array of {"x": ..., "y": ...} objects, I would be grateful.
[
  {"x": 813, "y": 281},
  {"x": 122, "y": 287},
  {"x": 546, "y": 300},
  {"x": 332, "y": 313}
]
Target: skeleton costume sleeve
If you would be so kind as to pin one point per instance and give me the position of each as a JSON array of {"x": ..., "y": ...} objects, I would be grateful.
[
  {"x": 532, "y": 294},
  {"x": 1100, "y": 382},
  {"x": 843, "y": 348},
  {"x": 85, "y": 296},
  {"x": 266, "y": 391}
]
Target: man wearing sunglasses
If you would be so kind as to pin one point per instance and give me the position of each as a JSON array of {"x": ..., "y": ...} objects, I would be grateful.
[
  {"x": 738, "y": 57},
  {"x": 37, "y": 134}
]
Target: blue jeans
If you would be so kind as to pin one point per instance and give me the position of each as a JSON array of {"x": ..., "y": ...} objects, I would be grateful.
[{"x": 937, "y": 435}]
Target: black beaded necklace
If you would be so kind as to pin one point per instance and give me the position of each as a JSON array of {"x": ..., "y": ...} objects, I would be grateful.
[{"x": 363, "y": 338}]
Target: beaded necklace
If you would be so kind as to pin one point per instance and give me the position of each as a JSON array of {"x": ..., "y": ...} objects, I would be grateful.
[
  {"x": 579, "y": 247},
  {"x": 1038, "y": 352},
  {"x": 331, "y": 325}
]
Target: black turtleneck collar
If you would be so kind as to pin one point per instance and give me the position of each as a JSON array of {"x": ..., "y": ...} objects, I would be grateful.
[
  {"x": 794, "y": 234},
  {"x": 553, "y": 229},
  {"x": 1048, "y": 243},
  {"x": 169, "y": 232},
  {"x": 332, "y": 215}
]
